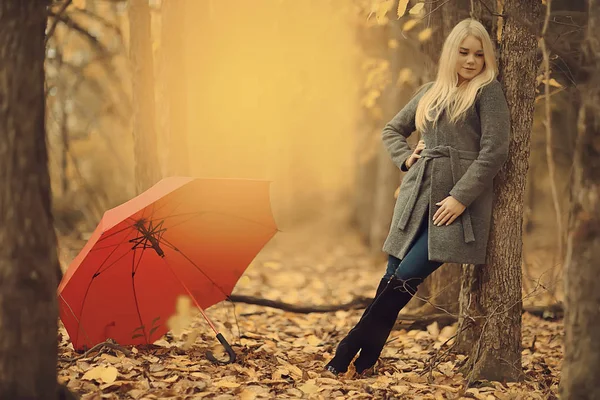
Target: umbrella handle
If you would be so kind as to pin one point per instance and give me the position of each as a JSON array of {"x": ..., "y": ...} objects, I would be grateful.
[{"x": 227, "y": 347}]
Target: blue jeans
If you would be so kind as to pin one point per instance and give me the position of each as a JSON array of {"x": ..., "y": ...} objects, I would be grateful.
[{"x": 415, "y": 266}]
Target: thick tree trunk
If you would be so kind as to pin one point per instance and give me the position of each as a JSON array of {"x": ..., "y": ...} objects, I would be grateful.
[
  {"x": 173, "y": 45},
  {"x": 580, "y": 371},
  {"x": 373, "y": 42},
  {"x": 147, "y": 168},
  {"x": 28, "y": 260},
  {"x": 496, "y": 354},
  {"x": 388, "y": 175}
]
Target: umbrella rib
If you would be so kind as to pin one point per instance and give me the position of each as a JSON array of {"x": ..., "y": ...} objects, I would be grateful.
[
  {"x": 110, "y": 265},
  {"x": 102, "y": 237},
  {"x": 134, "y": 269},
  {"x": 196, "y": 214},
  {"x": 189, "y": 292},
  {"x": 111, "y": 253},
  {"x": 165, "y": 204},
  {"x": 92, "y": 280},
  {"x": 106, "y": 247},
  {"x": 166, "y": 242},
  {"x": 79, "y": 327},
  {"x": 155, "y": 210}
]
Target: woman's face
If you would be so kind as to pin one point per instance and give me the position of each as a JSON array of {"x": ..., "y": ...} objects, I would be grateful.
[{"x": 470, "y": 59}]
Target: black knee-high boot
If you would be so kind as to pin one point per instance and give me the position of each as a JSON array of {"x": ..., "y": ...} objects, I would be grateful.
[
  {"x": 383, "y": 316},
  {"x": 351, "y": 344}
]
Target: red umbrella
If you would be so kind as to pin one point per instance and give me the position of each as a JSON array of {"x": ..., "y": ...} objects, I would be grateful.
[{"x": 183, "y": 236}]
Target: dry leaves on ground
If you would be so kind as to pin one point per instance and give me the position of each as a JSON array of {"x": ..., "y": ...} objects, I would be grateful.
[{"x": 281, "y": 355}]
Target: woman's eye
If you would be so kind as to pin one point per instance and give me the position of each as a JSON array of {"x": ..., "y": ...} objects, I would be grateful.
[
  {"x": 479, "y": 55},
  {"x": 463, "y": 53}
]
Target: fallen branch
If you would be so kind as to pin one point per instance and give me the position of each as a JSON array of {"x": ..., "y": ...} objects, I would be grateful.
[
  {"x": 108, "y": 344},
  {"x": 358, "y": 303},
  {"x": 553, "y": 311}
]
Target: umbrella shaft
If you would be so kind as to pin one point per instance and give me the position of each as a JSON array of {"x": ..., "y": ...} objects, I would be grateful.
[{"x": 193, "y": 299}]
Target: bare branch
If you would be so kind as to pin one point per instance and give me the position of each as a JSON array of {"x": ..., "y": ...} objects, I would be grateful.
[
  {"x": 59, "y": 13},
  {"x": 492, "y": 12},
  {"x": 548, "y": 125},
  {"x": 71, "y": 23}
]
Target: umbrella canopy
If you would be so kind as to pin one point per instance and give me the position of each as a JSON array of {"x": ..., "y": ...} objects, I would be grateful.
[{"x": 183, "y": 236}]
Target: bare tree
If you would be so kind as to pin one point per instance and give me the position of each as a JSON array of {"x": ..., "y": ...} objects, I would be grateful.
[
  {"x": 493, "y": 319},
  {"x": 387, "y": 177},
  {"x": 580, "y": 371},
  {"x": 29, "y": 269},
  {"x": 147, "y": 168}
]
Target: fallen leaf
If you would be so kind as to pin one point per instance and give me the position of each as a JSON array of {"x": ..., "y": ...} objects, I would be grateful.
[
  {"x": 101, "y": 373},
  {"x": 226, "y": 384},
  {"x": 309, "y": 388},
  {"x": 247, "y": 394}
]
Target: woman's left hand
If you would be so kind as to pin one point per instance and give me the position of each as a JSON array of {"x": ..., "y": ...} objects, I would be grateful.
[{"x": 449, "y": 210}]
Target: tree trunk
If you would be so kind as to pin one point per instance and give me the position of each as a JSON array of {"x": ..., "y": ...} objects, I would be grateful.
[
  {"x": 173, "y": 45},
  {"x": 580, "y": 371},
  {"x": 373, "y": 43},
  {"x": 480, "y": 12},
  {"x": 28, "y": 261},
  {"x": 496, "y": 355},
  {"x": 147, "y": 168},
  {"x": 388, "y": 175},
  {"x": 365, "y": 193}
]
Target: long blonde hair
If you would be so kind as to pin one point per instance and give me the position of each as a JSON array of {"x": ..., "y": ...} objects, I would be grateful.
[{"x": 445, "y": 94}]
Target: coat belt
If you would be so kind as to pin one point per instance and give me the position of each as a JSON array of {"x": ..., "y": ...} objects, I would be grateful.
[{"x": 455, "y": 156}]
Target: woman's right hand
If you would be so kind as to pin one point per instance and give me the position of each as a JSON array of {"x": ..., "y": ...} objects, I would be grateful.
[{"x": 416, "y": 154}]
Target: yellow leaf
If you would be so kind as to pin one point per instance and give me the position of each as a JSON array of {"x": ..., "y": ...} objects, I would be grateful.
[
  {"x": 371, "y": 97},
  {"x": 400, "y": 389},
  {"x": 554, "y": 83},
  {"x": 272, "y": 264},
  {"x": 101, "y": 373},
  {"x": 171, "y": 379},
  {"x": 244, "y": 280},
  {"x": 79, "y": 3},
  {"x": 279, "y": 373},
  {"x": 247, "y": 394},
  {"x": 404, "y": 76},
  {"x": 226, "y": 384},
  {"x": 425, "y": 34},
  {"x": 402, "y": 7},
  {"x": 200, "y": 375},
  {"x": 434, "y": 329},
  {"x": 313, "y": 340},
  {"x": 309, "y": 388},
  {"x": 110, "y": 359},
  {"x": 409, "y": 25},
  {"x": 382, "y": 10},
  {"x": 416, "y": 9}
]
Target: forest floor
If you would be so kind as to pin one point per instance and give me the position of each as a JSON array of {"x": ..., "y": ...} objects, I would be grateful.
[{"x": 281, "y": 354}]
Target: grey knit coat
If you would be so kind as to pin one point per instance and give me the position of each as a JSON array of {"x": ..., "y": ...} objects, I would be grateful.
[{"x": 460, "y": 159}]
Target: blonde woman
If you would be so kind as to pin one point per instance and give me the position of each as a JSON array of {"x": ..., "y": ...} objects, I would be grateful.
[{"x": 443, "y": 211}]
